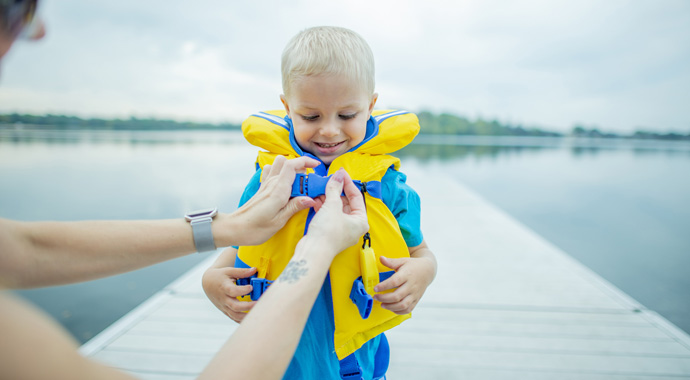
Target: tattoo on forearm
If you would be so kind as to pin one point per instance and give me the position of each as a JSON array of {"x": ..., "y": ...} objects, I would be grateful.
[{"x": 294, "y": 271}]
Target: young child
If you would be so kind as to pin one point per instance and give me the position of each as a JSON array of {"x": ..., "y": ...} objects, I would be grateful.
[{"x": 329, "y": 98}]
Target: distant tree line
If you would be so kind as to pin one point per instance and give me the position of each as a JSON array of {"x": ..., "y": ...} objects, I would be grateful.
[
  {"x": 133, "y": 123},
  {"x": 449, "y": 124},
  {"x": 580, "y": 131},
  {"x": 431, "y": 123}
]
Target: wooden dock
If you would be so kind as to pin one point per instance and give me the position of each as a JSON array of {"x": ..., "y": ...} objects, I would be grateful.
[{"x": 506, "y": 304}]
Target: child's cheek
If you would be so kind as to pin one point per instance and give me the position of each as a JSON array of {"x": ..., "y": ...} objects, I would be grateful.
[{"x": 302, "y": 135}]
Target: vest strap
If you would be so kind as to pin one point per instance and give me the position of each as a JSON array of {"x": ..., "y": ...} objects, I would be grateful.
[
  {"x": 382, "y": 358},
  {"x": 259, "y": 286},
  {"x": 313, "y": 185},
  {"x": 350, "y": 369}
]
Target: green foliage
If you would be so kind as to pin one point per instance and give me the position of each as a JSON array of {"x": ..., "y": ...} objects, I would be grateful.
[
  {"x": 133, "y": 123},
  {"x": 448, "y": 124},
  {"x": 581, "y": 131}
]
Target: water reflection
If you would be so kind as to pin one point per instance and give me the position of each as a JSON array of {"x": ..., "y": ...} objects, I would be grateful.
[
  {"x": 26, "y": 136},
  {"x": 445, "y": 148},
  {"x": 425, "y": 152},
  {"x": 621, "y": 207}
]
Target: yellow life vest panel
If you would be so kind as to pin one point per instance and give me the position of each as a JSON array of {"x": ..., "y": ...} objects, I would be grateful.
[{"x": 368, "y": 162}]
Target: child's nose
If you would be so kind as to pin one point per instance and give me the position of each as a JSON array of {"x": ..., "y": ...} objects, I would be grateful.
[{"x": 329, "y": 130}]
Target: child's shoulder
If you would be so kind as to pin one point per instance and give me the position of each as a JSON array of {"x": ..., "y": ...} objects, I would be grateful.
[{"x": 395, "y": 189}]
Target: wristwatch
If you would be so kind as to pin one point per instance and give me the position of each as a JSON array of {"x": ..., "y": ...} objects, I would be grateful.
[{"x": 201, "y": 228}]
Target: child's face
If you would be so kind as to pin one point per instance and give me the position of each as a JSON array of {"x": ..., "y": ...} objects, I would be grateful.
[{"x": 329, "y": 114}]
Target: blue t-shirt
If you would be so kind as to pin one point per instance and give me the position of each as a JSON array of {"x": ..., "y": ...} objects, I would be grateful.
[{"x": 404, "y": 204}]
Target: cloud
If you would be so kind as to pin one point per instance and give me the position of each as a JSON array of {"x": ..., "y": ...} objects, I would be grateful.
[{"x": 616, "y": 64}]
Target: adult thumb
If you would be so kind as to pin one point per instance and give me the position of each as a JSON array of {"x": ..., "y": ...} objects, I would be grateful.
[
  {"x": 334, "y": 187},
  {"x": 295, "y": 205}
]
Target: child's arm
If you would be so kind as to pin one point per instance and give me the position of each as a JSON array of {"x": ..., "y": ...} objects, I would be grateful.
[
  {"x": 219, "y": 284},
  {"x": 412, "y": 276}
]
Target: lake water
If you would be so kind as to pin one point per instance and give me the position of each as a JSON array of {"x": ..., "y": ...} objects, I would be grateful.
[{"x": 620, "y": 207}]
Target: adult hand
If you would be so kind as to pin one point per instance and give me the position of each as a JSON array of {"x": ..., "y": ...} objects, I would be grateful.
[
  {"x": 271, "y": 207},
  {"x": 341, "y": 221}
]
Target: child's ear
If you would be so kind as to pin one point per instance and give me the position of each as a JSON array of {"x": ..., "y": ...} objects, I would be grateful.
[
  {"x": 374, "y": 98},
  {"x": 285, "y": 103}
]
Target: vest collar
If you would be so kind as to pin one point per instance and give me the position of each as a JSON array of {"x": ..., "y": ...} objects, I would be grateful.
[{"x": 387, "y": 131}]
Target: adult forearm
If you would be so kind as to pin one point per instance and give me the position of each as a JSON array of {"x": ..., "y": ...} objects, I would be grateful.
[
  {"x": 268, "y": 336},
  {"x": 53, "y": 253}
]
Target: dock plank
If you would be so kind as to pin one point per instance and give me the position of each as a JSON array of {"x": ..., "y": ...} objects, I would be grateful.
[
  {"x": 506, "y": 304},
  {"x": 186, "y": 364},
  {"x": 543, "y": 361}
]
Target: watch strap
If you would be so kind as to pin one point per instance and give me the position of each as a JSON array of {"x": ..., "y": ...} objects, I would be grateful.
[
  {"x": 201, "y": 229},
  {"x": 203, "y": 234}
]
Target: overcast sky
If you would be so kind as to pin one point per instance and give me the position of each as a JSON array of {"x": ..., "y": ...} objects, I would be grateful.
[{"x": 618, "y": 65}]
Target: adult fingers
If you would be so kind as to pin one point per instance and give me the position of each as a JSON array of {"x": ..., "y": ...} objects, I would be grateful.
[
  {"x": 274, "y": 169},
  {"x": 354, "y": 196},
  {"x": 295, "y": 205},
  {"x": 334, "y": 187},
  {"x": 264, "y": 172},
  {"x": 318, "y": 202},
  {"x": 290, "y": 168},
  {"x": 302, "y": 163},
  {"x": 346, "y": 205},
  {"x": 277, "y": 166}
]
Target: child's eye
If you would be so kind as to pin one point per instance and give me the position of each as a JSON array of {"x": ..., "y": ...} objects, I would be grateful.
[
  {"x": 348, "y": 117},
  {"x": 310, "y": 117}
]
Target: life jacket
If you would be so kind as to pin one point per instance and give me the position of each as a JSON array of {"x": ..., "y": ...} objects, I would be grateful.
[{"x": 355, "y": 271}]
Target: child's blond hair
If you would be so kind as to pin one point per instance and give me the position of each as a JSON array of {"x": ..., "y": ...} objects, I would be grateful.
[{"x": 328, "y": 50}]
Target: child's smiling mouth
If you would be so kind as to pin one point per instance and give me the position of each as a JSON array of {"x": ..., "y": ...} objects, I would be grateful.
[{"x": 326, "y": 148}]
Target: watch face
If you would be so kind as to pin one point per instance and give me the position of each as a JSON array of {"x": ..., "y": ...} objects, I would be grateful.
[{"x": 205, "y": 212}]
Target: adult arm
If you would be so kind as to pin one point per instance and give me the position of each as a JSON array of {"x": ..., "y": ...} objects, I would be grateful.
[
  {"x": 262, "y": 346},
  {"x": 34, "y": 347},
  {"x": 52, "y": 253},
  {"x": 268, "y": 336}
]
